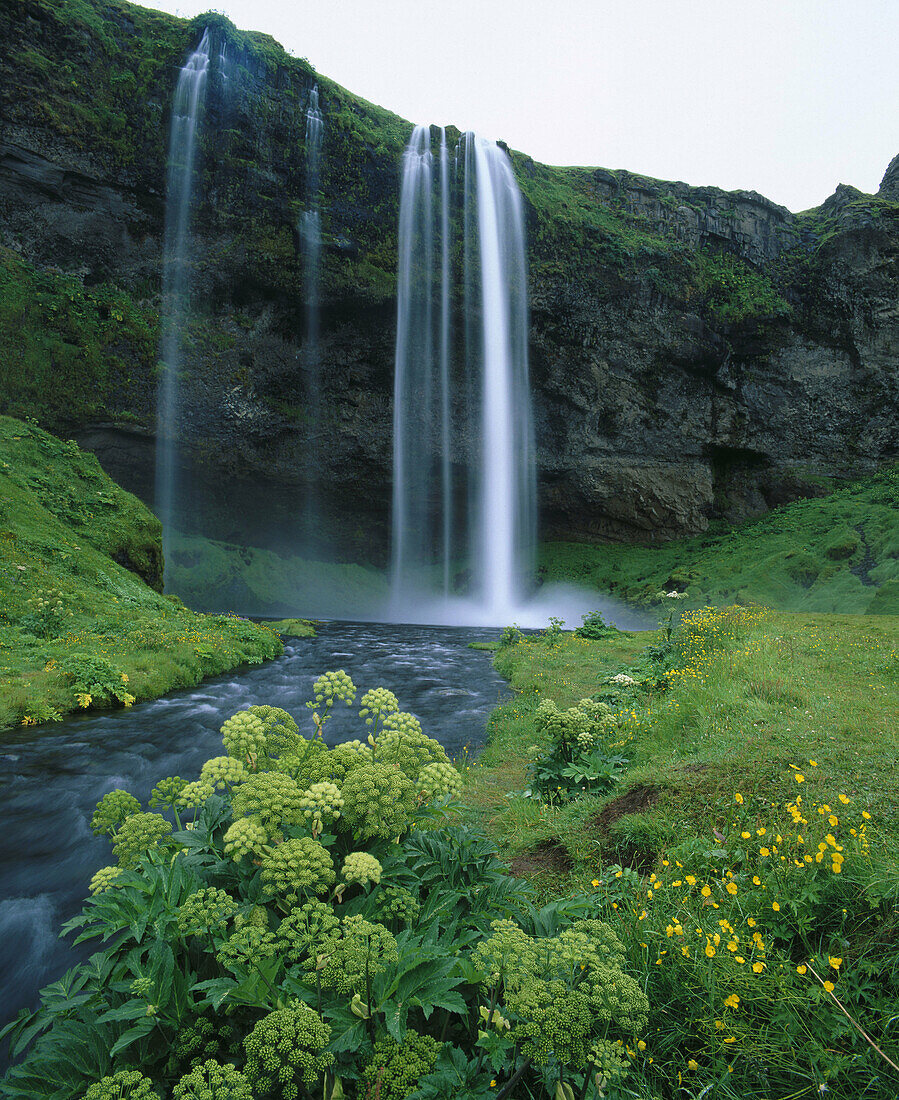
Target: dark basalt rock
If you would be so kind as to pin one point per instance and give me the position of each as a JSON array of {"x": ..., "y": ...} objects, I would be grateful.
[{"x": 695, "y": 354}]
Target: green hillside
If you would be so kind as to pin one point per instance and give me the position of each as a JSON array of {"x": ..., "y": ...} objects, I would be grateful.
[
  {"x": 82, "y": 623},
  {"x": 835, "y": 553}
]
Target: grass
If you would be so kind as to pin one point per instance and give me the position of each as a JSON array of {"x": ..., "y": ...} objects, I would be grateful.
[
  {"x": 839, "y": 552},
  {"x": 758, "y": 807},
  {"x": 292, "y": 628},
  {"x": 81, "y": 625}
]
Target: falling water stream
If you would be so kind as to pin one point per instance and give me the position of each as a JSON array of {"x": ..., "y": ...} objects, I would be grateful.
[
  {"x": 310, "y": 232},
  {"x": 466, "y": 419},
  {"x": 51, "y": 778},
  {"x": 186, "y": 110}
]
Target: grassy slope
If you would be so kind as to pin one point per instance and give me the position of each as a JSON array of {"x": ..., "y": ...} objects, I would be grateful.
[
  {"x": 761, "y": 707},
  {"x": 794, "y": 686},
  {"x": 64, "y": 526},
  {"x": 836, "y": 553}
]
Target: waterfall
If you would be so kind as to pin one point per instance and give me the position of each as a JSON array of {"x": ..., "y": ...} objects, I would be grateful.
[
  {"x": 189, "y": 95},
  {"x": 464, "y": 432},
  {"x": 506, "y": 531},
  {"x": 445, "y": 455},
  {"x": 412, "y": 547},
  {"x": 310, "y": 233}
]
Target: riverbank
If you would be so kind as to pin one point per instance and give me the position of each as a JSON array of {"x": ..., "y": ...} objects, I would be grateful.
[
  {"x": 744, "y": 848},
  {"x": 84, "y": 623}
]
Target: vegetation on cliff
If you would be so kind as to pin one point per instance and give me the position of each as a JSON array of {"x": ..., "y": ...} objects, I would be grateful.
[
  {"x": 839, "y": 552},
  {"x": 71, "y": 353},
  {"x": 96, "y": 78},
  {"x": 83, "y": 623}
]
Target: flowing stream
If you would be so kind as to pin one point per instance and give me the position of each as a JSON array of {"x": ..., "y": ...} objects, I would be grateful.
[{"x": 51, "y": 779}]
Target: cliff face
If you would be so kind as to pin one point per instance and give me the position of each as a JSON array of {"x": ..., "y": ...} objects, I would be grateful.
[{"x": 695, "y": 354}]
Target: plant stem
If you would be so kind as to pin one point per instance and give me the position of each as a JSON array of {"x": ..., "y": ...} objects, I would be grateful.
[{"x": 513, "y": 1080}]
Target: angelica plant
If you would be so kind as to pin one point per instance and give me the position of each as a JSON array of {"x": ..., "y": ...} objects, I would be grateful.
[
  {"x": 104, "y": 879},
  {"x": 137, "y": 835},
  {"x": 320, "y": 805},
  {"x": 286, "y": 1052},
  {"x": 378, "y": 800},
  {"x": 396, "y": 903},
  {"x": 299, "y": 866},
  {"x": 396, "y": 1068},
  {"x": 361, "y": 868},
  {"x": 406, "y": 747},
  {"x": 223, "y": 772},
  {"x": 329, "y": 687},
  {"x": 271, "y": 799},
  {"x": 205, "y": 911},
  {"x": 112, "y": 809},
  {"x": 438, "y": 780},
  {"x": 305, "y": 929},
  {"x": 353, "y": 954},
  {"x": 376, "y": 705},
  {"x": 245, "y": 837},
  {"x": 127, "y": 1084},
  {"x": 212, "y": 1081}
]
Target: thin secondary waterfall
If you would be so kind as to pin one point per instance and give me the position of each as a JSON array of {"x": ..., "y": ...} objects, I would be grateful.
[
  {"x": 311, "y": 240},
  {"x": 189, "y": 95},
  {"x": 462, "y": 426}
]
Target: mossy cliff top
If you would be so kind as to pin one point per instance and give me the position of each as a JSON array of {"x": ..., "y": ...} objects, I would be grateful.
[{"x": 96, "y": 78}]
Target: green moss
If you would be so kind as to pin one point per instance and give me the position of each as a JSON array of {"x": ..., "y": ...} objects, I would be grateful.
[
  {"x": 259, "y": 581},
  {"x": 292, "y": 628}
]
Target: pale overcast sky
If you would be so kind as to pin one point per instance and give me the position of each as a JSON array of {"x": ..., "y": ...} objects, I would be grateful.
[{"x": 784, "y": 97}]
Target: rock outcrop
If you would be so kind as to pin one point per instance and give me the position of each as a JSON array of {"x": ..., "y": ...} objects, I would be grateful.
[{"x": 696, "y": 354}]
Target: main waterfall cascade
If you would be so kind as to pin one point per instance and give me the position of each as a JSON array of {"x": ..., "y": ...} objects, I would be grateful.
[
  {"x": 188, "y": 104},
  {"x": 463, "y": 494}
]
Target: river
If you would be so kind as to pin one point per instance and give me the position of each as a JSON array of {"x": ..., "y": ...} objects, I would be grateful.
[{"x": 51, "y": 778}]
